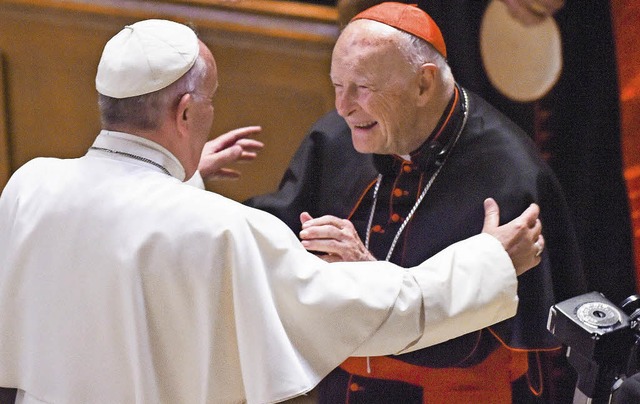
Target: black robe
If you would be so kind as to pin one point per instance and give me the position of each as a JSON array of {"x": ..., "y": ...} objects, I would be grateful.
[
  {"x": 578, "y": 129},
  {"x": 492, "y": 158}
]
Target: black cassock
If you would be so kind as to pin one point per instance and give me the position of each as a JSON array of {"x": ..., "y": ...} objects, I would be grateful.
[{"x": 491, "y": 157}]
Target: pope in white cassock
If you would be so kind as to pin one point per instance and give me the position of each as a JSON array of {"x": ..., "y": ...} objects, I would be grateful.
[{"x": 121, "y": 283}]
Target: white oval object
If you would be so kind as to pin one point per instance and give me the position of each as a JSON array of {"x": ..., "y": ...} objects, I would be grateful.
[{"x": 522, "y": 62}]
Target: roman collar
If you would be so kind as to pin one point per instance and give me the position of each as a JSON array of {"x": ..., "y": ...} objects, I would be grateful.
[{"x": 438, "y": 144}]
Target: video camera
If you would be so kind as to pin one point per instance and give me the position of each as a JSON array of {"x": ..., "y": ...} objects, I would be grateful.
[{"x": 603, "y": 343}]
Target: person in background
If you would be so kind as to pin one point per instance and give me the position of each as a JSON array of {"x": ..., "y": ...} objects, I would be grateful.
[
  {"x": 121, "y": 283},
  {"x": 384, "y": 177}
]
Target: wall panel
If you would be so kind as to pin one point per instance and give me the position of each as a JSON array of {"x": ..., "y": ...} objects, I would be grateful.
[
  {"x": 273, "y": 67},
  {"x": 5, "y": 166}
]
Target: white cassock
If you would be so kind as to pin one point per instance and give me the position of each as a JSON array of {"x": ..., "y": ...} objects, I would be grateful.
[{"x": 122, "y": 284}]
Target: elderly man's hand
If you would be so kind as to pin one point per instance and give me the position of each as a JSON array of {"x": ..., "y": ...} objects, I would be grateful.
[
  {"x": 521, "y": 237},
  {"x": 231, "y": 147},
  {"x": 530, "y": 12},
  {"x": 336, "y": 238}
]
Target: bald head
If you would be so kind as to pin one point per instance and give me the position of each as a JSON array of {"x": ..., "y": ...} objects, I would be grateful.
[{"x": 389, "y": 87}]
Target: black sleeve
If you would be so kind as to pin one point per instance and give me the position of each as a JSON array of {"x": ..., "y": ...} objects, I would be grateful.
[{"x": 325, "y": 175}]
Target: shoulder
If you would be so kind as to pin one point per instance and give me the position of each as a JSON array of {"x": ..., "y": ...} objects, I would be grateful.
[
  {"x": 492, "y": 132},
  {"x": 38, "y": 168}
]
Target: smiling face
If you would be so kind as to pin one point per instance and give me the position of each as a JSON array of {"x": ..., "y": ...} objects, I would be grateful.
[{"x": 377, "y": 90}]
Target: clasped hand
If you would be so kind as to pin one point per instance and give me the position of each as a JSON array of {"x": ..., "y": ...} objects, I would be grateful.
[{"x": 337, "y": 240}]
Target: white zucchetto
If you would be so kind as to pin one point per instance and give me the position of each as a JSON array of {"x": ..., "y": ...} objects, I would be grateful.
[{"x": 145, "y": 57}]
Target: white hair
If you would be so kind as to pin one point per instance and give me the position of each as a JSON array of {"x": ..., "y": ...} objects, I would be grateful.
[{"x": 417, "y": 51}]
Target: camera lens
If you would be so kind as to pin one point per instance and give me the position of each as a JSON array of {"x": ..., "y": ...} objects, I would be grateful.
[{"x": 598, "y": 314}]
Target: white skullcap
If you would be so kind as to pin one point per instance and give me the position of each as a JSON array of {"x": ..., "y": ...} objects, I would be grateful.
[{"x": 146, "y": 57}]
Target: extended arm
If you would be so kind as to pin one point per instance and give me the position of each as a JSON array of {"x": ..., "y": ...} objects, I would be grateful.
[{"x": 338, "y": 240}]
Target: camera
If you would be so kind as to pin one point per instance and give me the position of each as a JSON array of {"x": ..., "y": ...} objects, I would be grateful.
[{"x": 602, "y": 343}]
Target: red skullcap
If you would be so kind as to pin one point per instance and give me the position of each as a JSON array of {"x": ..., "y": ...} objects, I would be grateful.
[{"x": 408, "y": 18}]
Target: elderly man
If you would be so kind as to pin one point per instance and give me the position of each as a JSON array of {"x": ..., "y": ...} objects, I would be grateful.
[
  {"x": 119, "y": 283},
  {"x": 407, "y": 166}
]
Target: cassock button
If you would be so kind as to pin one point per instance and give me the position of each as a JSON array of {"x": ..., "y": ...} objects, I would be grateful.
[
  {"x": 395, "y": 218},
  {"x": 398, "y": 192},
  {"x": 406, "y": 168},
  {"x": 354, "y": 387}
]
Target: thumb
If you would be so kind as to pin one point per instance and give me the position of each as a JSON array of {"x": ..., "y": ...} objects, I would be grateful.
[
  {"x": 305, "y": 216},
  {"x": 491, "y": 215}
]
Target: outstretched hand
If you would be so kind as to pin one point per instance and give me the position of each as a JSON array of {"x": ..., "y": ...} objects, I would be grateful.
[
  {"x": 233, "y": 146},
  {"x": 530, "y": 12},
  {"x": 521, "y": 237}
]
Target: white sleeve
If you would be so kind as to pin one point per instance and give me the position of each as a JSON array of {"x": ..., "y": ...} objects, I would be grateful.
[{"x": 466, "y": 287}]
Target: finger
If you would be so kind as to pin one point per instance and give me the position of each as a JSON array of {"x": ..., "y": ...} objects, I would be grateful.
[
  {"x": 537, "y": 228},
  {"x": 250, "y": 144},
  {"x": 491, "y": 215},
  {"x": 239, "y": 133},
  {"x": 326, "y": 246},
  {"x": 225, "y": 174},
  {"x": 324, "y": 220},
  {"x": 530, "y": 215},
  {"x": 321, "y": 232},
  {"x": 230, "y": 138},
  {"x": 304, "y": 217},
  {"x": 540, "y": 242},
  {"x": 545, "y": 7},
  {"x": 246, "y": 156},
  {"x": 211, "y": 163},
  {"x": 524, "y": 13}
]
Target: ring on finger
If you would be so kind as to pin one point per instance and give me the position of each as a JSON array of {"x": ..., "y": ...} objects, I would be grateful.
[{"x": 539, "y": 248}]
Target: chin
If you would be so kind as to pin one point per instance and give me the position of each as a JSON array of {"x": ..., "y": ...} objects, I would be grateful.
[
  {"x": 363, "y": 149},
  {"x": 361, "y": 144}
]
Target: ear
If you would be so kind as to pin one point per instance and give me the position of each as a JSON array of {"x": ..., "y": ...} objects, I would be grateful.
[
  {"x": 182, "y": 114},
  {"x": 426, "y": 82}
]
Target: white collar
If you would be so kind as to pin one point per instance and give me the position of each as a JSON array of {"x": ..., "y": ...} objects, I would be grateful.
[{"x": 145, "y": 149}]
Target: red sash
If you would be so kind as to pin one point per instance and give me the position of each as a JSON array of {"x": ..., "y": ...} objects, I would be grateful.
[{"x": 487, "y": 382}]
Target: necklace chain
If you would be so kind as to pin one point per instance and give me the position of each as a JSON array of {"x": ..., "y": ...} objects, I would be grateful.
[
  {"x": 422, "y": 194},
  {"x": 133, "y": 156}
]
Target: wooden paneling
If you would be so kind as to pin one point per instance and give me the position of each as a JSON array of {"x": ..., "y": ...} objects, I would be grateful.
[
  {"x": 5, "y": 167},
  {"x": 273, "y": 66}
]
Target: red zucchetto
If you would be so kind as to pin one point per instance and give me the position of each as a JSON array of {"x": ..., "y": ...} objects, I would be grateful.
[{"x": 408, "y": 18}]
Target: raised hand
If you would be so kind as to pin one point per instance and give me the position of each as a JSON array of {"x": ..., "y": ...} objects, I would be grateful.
[
  {"x": 233, "y": 146},
  {"x": 521, "y": 237}
]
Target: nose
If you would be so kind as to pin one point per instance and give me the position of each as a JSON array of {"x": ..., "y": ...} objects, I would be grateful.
[{"x": 345, "y": 103}]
